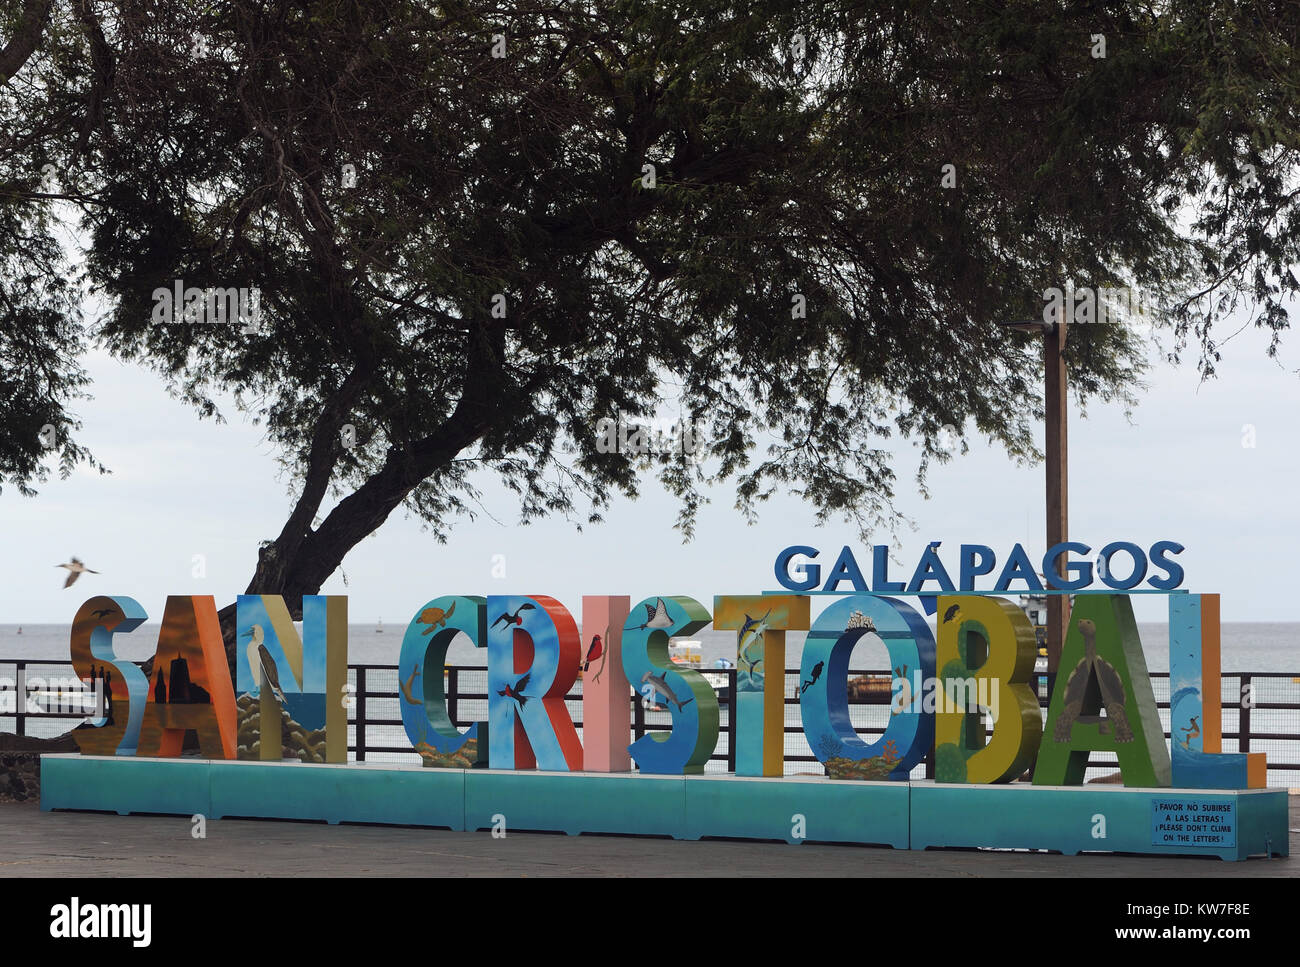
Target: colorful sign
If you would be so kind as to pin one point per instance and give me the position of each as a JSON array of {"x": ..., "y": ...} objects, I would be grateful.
[{"x": 960, "y": 695}]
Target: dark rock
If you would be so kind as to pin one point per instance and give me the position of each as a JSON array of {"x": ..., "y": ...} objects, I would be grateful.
[{"x": 30, "y": 743}]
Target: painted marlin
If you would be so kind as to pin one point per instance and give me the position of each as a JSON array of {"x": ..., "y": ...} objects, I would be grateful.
[
  {"x": 755, "y": 627},
  {"x": 660, "y": 685}
]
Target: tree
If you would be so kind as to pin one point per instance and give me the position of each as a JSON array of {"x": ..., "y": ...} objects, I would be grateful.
[
  {"x": 568, "y": 212},
  {"x": 41, "y": 336}
]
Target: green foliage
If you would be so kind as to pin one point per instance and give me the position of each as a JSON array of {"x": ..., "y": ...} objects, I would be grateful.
[
  {"x": 210, "y": 144},
  {"x": 41, "y": 332}
]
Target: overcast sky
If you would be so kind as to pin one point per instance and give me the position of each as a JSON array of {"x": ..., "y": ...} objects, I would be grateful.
[{"x": 182, "y": 487}]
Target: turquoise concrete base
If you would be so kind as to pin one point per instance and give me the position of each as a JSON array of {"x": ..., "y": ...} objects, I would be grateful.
[
  {"x": 584, "y": 802},
  {"x": 355, "y": 793},
  {"x": 1071, "y": 819},
  {"x": 125, "y": 784},
  {"x": 915, "y": 815},
  {"x": 822, "y": 810}
]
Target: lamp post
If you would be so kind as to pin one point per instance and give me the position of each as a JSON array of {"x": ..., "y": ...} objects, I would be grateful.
[{"x": 1058, "y": 605}]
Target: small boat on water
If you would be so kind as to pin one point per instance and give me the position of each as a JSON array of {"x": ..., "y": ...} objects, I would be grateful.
[
  {"x": 379, "y": 629},
  {"x": 878, "y": 689},
  {"x": 875, "y": 689},
  {"x": 686, "y": 652}
]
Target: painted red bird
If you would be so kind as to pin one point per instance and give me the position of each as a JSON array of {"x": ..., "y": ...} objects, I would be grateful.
[
  {"x": 517, "y": 691},
  {"x": 593, "y": 652}
]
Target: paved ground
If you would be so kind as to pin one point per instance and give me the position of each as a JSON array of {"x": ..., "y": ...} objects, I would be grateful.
[{"x": 33, "y": 843}]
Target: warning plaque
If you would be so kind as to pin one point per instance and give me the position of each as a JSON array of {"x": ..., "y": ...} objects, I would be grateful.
[{"x": 1176, "y": 821}]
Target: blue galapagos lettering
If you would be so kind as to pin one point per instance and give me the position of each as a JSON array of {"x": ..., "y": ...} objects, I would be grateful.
[{"x": 977, "y": 560}]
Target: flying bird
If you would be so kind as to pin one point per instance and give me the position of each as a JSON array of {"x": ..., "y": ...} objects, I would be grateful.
[
  {"x": 656, "y": 617},
  {"x": 75, "y": 570},
  {"x": 514, "y": 619},
  {"x": 517, "y": 692},
  {"x": 103, "y": 612}
]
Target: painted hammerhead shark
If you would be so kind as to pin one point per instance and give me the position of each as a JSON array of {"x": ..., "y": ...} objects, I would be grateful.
[{"x": 660, "y": 684}]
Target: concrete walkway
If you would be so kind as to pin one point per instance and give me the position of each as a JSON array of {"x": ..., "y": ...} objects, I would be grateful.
[{"x": 33, "y": 843}]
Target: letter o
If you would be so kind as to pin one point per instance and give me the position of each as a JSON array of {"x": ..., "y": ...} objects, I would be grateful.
[{"x": 1139, "y": 565}]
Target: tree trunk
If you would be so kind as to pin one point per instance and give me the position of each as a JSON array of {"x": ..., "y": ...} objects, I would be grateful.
[
  {"x": 26, "y": 38},
  {"x": 300, "y": 560},
  {"x": 319, "y": 553}
]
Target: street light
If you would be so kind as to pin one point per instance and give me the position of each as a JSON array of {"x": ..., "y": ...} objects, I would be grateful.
[{"x": 1057, "y": 477}]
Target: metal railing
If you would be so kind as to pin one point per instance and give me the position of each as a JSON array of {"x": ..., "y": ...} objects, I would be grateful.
[{"x": 1261, "y": 713}]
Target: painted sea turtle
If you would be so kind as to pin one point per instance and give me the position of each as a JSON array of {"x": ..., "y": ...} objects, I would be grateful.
[
  {"x": 435, "y": 617},
  {"x": 1078, "y": 687}
]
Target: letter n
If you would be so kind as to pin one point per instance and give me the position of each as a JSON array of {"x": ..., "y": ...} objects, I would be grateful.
[{"x": 291, "y": 689}]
